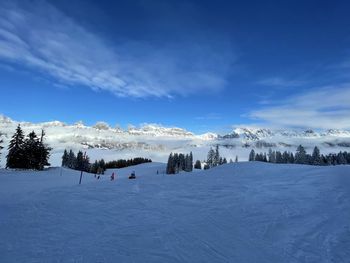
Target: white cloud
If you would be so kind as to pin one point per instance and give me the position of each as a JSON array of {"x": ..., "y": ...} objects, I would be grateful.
[
  {"x": 325, "y": 108},
  {"x": 279, "y": 82},
  {"x": 39, "y": 36}
]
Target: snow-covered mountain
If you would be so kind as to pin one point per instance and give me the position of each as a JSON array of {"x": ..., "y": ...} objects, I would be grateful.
[{"x": 156, "y": 141}]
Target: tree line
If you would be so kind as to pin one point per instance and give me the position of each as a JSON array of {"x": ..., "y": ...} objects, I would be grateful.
[
  {"x": 81, "y": 162},
  {"x": 178, "y": 162},
  {"x": 214, "y": 158},
  {"x": 121, "y": 163},
  {"x": 301, "y": 157},
  {"x": 27, "y": 152}
]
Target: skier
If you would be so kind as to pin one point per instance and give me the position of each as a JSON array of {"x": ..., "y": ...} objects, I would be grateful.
[{"x": 112, "y": 177}]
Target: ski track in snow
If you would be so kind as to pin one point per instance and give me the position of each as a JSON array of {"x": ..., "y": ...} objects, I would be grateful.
[{"x": 244, "y": 212}]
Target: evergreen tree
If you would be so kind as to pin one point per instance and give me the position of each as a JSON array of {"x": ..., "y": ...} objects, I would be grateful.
[
  {"x": 43, "y": 152},
  {"x": 102, "y": 165},
  {"x": 291, "y": 158},
  {"x": 272, "y": 156},
  {"x": 1, "y": 141},
  {"x": 265, "y": 158},
  {"x": 216, "y": 159},
  {"x": 211, "y": 158},
  {"x": 279, "y": 157},
  {"x": 190, "y": 164},
  {"x": 316, "y": 157},
  {"x": 79, "y": 165},
  {"x": 285, "y": 157},
  {"x": 31, "y": 149},
  {"x": 252, "y": 155},
  {"x": 170, "y": 168},
  {"x": 182, "y": 164},
  {"x": 72, "y": 160},
  {"x": 94, "y": 167},
  {"x": 65, "y": 158},
  {"x": 300, "y": 155},
  {"x": 198, "y": 165},
  {"x": 16, "y": 154},
  {"x": 82, "y": 162},
  {"x": 224, "y": 160},
  {"x": 341, "y": 158},
  {"x": 176, "y": 163}
]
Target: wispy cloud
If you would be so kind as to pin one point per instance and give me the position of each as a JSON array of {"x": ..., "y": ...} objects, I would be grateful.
[
  {"x": 278, "y": 82},
  {"x": 39, "y": 36},
  {"x": 324, "y": 108}
]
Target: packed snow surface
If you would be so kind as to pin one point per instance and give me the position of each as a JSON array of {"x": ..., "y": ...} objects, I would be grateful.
[{"x": 241, "y": 212}]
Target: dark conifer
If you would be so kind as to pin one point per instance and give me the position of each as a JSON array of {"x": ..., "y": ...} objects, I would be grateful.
[{"x": 16, "y": 154}]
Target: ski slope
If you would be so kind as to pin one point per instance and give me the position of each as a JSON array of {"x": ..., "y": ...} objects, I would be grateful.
[{"x": 242, "y": 212}]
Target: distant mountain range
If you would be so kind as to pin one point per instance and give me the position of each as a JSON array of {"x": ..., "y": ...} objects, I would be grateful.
[{"x": 152, "y": 140}]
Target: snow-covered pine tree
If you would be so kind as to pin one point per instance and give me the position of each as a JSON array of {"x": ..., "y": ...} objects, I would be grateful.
[{"x": 16, "y": 155}]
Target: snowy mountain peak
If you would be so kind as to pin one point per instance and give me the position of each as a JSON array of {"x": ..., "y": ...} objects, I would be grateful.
[
  {"x": 4, "y": 119},
  {"x": 252, "y": 133},
  {"x": 336, "y": 132},
  {"x": 158, "y": 130}
]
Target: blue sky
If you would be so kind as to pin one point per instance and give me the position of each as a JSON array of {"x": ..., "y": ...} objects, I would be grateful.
[{"x": 200, "y": 65}]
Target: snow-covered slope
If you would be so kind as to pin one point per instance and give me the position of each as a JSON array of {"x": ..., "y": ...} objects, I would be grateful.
[
  {"x": 244, "y": 212},
  {"x": 156, "y": 142}
]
